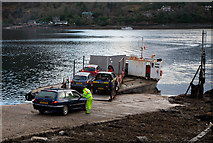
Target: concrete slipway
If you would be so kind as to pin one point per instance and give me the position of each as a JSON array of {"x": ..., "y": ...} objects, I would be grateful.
[{"x": 22, "y": 120}]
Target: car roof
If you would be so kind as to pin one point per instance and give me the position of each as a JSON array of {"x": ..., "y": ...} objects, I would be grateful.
[
  {"x": 104, "y": 72},
  {"x": 58, "y": 89},
  {"x": 93, "y": 66},
  {"x": 83, "y": 73}
]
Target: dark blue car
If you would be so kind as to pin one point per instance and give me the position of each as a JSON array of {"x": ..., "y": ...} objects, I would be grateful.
[
  {"x": 82, "y": 79},
  {"x": 60, "y": 100}
]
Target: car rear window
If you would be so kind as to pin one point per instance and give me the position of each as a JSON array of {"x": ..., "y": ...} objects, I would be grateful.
[
  {"x": 47, "y": 94},
  {"x": 89, "y": 69},
  {"x": 103, "y": 77},
  {"x": 77, "y": 77}
]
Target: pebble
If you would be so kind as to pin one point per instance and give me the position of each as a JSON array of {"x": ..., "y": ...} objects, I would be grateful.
[
  {"x": 35, "y": 138},
  {"x": 61, "y": 133},
  {"x": 142, "y": 139}
]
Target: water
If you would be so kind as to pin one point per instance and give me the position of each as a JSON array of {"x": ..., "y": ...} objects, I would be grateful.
[{"x": 36, "y": 58}]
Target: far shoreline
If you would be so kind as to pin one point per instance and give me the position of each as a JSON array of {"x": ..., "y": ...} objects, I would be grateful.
[{"x": 142, "y": 27}]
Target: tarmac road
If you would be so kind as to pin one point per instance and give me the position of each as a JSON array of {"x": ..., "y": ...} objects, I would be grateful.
[{"x": 21, "y": 120}]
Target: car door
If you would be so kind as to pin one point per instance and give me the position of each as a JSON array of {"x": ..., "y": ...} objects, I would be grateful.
[
  {"x": 71, "y": 99},
  {"x": 80, "y": 101},
  {"x": 62, "y": 100}
]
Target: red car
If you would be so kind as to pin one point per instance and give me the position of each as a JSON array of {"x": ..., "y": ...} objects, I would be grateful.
[{"x": 93, "y": 69}]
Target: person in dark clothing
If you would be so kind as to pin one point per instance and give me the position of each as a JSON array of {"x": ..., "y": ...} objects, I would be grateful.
[{"x": 110, "y": 68}]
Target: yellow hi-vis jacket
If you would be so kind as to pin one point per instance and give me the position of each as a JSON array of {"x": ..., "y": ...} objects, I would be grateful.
[{"x": 87, "y": 93}]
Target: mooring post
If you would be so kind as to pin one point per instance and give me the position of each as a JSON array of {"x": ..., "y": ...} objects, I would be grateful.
[
  {"x": 202, "y": 69},
  {"x": 197, "y": 90},
  {"x": 83, "y": 61},
  {"x": 73, "y": 68},
  {"x": 107, "y": 63}
]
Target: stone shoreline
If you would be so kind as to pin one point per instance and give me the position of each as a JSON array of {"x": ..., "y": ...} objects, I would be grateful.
[{"x": 154, "y": 26}]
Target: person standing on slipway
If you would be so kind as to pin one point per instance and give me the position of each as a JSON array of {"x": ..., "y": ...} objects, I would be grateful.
[{"x": 88, "y": 95}]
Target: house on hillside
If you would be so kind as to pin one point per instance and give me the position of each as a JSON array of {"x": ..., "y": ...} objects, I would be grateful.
[
  {"x": 87, "y": 14},
  {"x": 148, "y": 14},
  {"x": 87, "y": 17},
  {"x": 208, "y": 7},
  {"x": 31, "y": 22},
  {"x": 165, "y": 9},
  {"x": 61, "y": 23},
  {"x": 56, "y": 19}
]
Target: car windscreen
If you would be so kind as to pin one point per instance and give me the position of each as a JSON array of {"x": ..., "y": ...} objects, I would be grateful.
[
  {"x": 47, "y": 94},
  {"x": 77, "y": 77},
  {"x": 89, "y": 69}
]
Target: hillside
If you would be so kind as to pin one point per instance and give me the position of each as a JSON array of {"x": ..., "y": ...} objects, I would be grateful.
[{"x": 109, "y": 13}]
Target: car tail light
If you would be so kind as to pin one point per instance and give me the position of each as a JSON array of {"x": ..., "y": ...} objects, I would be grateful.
[
  {"x": 161, "y": 72},
  {"x": 54, "y": 102},
  {"x": 35, "y": 100},
  {"x": 87, "y": 81},
  {"x": 82, "y": 70},
  {"x": 72, "y": 81}
]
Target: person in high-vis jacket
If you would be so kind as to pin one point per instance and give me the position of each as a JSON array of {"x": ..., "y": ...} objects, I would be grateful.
[{"x": 88, "y": 95}]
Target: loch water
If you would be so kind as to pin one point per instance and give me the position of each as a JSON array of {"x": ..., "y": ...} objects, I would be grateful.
[{"x": 33, "y": 58}]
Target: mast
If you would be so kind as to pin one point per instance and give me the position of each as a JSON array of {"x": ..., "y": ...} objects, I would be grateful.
[{"x": 202, "y": 69}]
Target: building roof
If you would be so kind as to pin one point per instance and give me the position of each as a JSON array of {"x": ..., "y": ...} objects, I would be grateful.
[{"x": 86, "y": 13}]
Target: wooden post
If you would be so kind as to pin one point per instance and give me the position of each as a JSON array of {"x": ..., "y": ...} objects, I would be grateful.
[
  {"x": 202, "y": 69},
  {"x": 192, "y": 80},
  {"x": 73, "y": 68},
  {"x": 107, "y": 63},
  {"x": 197, "y": 90},
  {"x": 83, "y": 61}
]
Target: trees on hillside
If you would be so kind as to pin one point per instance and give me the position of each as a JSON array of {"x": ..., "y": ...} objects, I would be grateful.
[{"x": 110, "y": 13}]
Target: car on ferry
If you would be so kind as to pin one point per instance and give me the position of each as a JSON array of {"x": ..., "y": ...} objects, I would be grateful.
[
  {"x": 106, "y": 82},
  {"x": 82, "y": 79},
  {"x": 93, "y": 69},
  {"x": 59, "y": 100}
]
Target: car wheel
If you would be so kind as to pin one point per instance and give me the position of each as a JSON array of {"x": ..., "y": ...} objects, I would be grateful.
[
  {"x": 65, "y": 110},
  {"x": 41, "y": 111}
]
